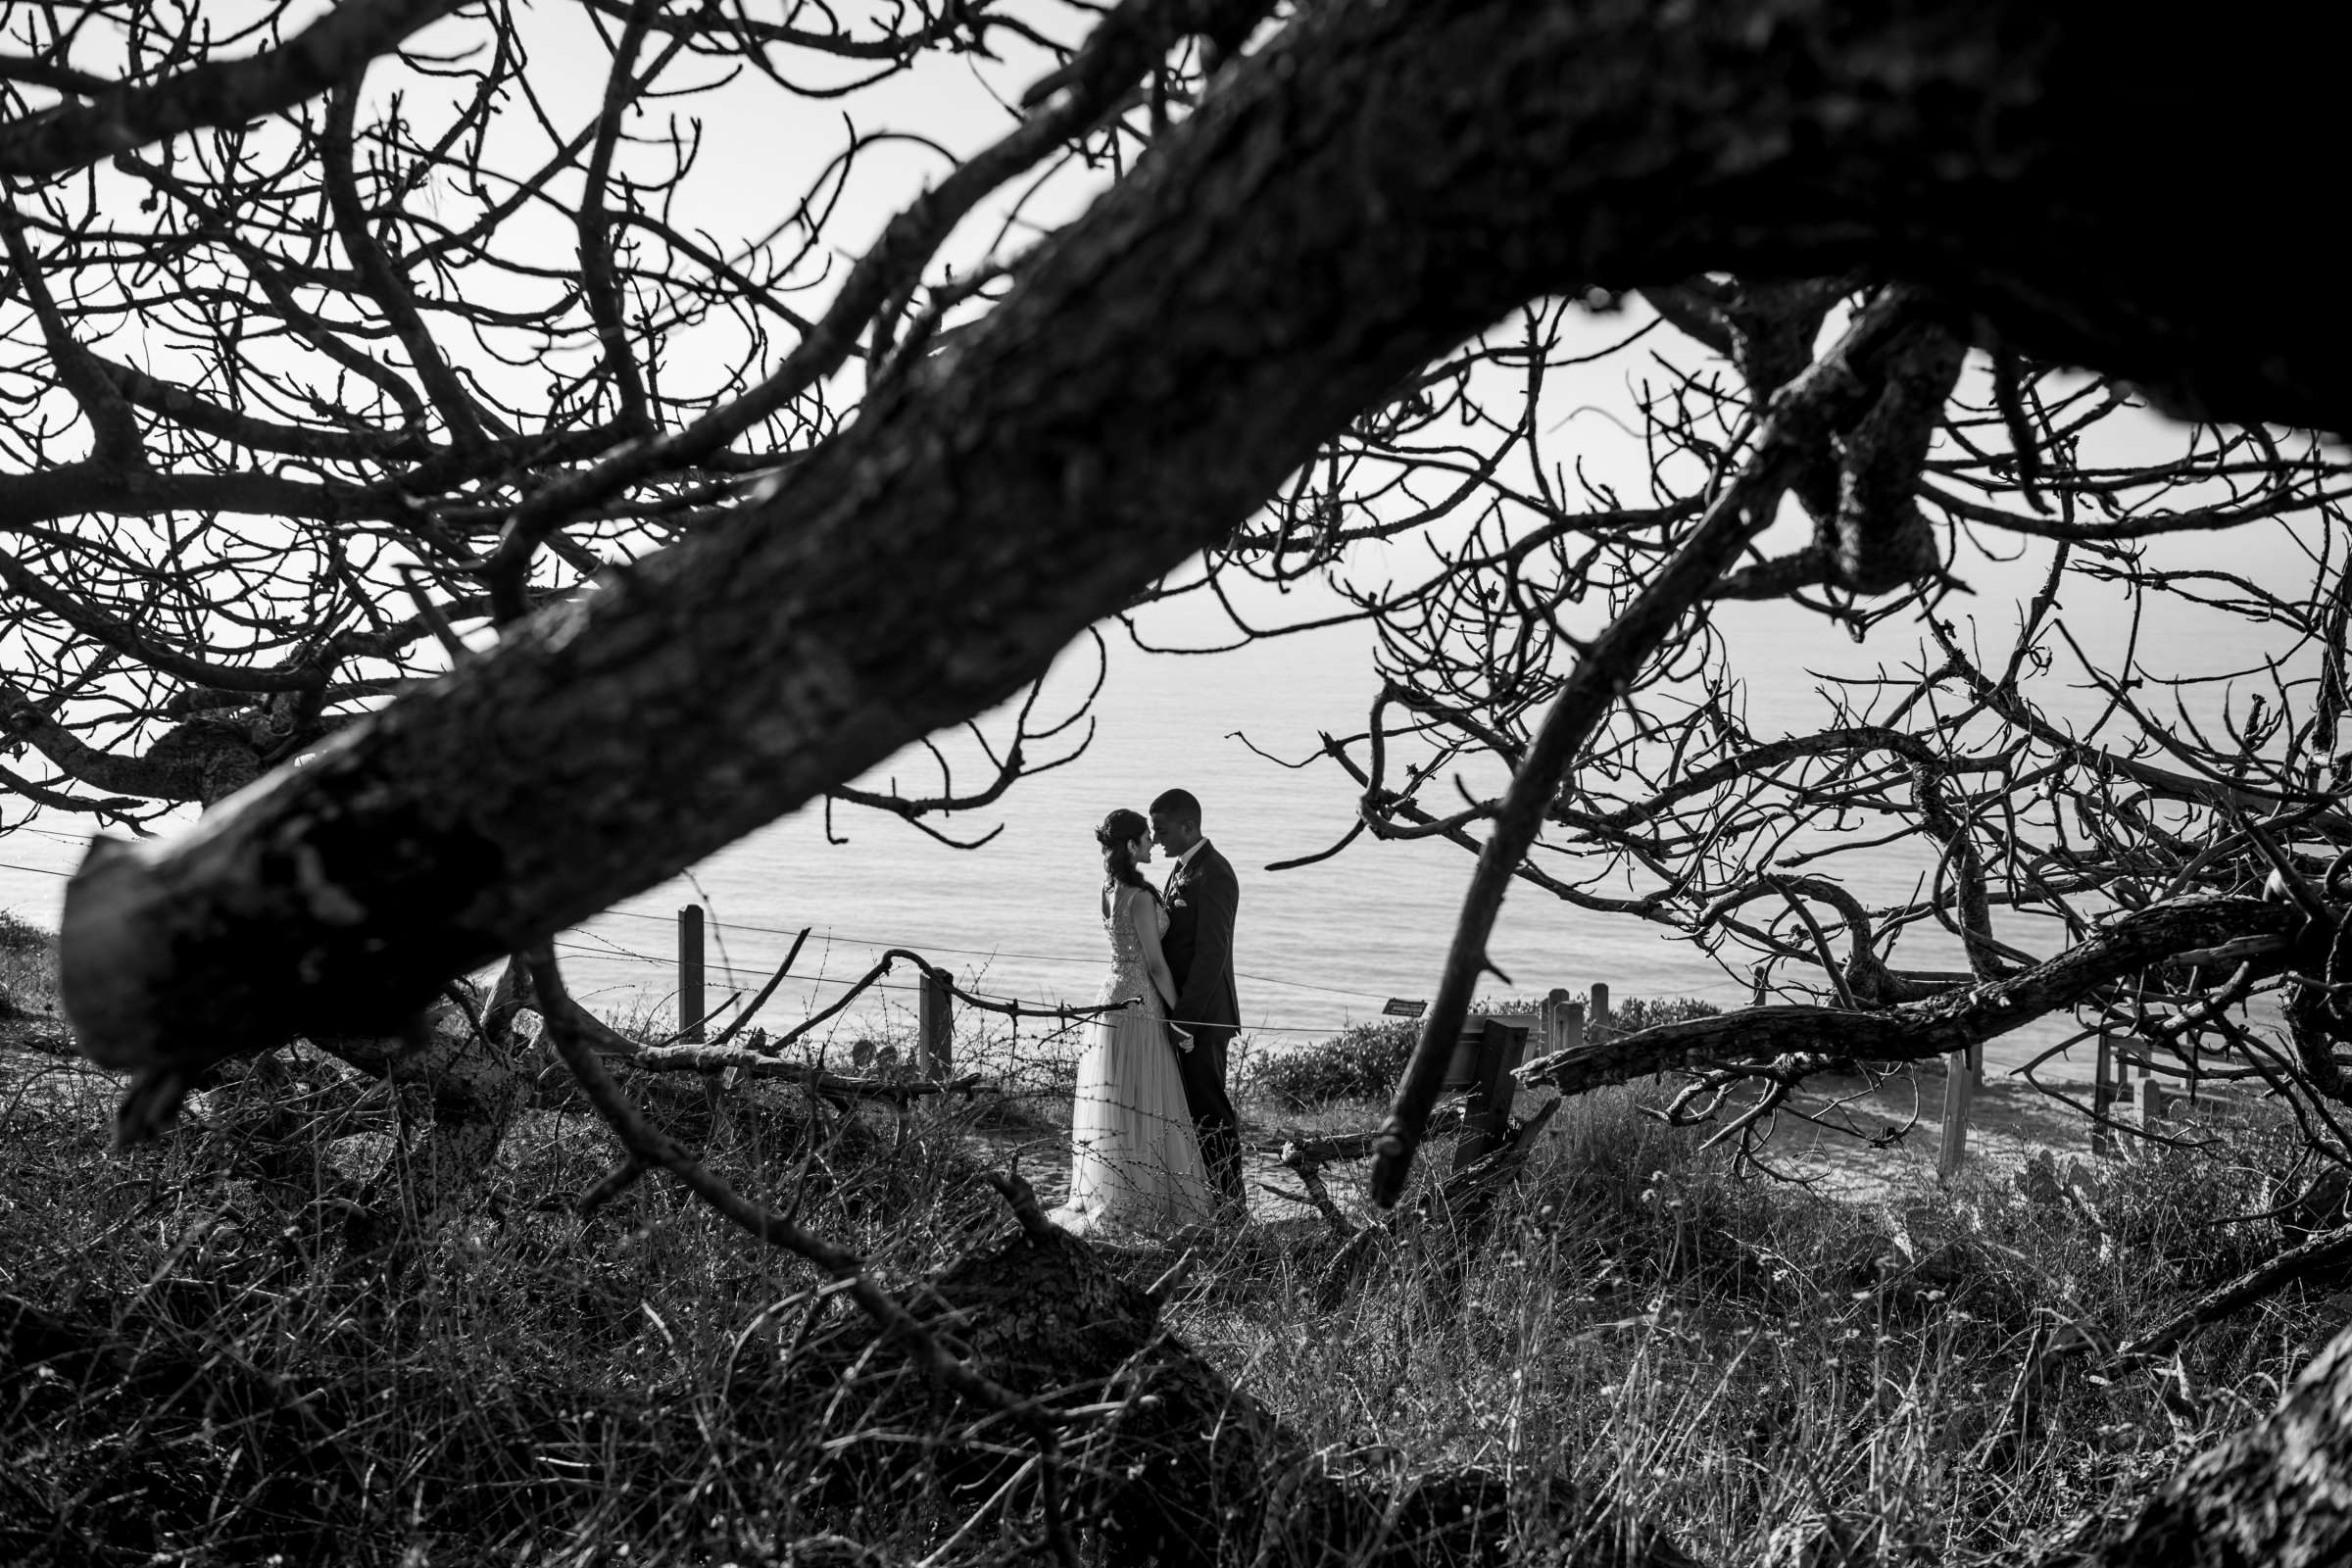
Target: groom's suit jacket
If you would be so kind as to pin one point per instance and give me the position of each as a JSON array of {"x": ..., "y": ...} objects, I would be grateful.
[{"x": 1203, "y": 897}]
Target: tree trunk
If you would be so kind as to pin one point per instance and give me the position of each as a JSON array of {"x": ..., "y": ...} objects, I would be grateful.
[{"x": 1377, "y": 183}]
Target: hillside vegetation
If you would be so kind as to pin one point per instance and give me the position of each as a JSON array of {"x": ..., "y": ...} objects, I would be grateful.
[{"x": 203, "y": 1357}]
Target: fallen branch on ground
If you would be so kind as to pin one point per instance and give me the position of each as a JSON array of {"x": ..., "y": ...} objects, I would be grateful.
[
  {"x": 716, "y": 1060},
  {"x": 2257, "y": 1283},
  {"x": 609, "y": 1045},
  {"x": 1329, "y": 1149}
]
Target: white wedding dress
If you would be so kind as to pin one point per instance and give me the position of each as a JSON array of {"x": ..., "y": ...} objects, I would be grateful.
[{"x": 1135, "y": 1161}]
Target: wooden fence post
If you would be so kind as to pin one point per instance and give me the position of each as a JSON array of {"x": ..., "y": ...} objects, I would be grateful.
[
  {"x": 2151, "y": 1104},
  {"x": 1959, "y": 1094},
  {"x": 2102, "y": 1099},
  {"x": 935, "y": 1036},
  {"x": 1563, "y": 1020},
  {"x": 691, "y": 1002},
  {"x": 1599, "y": 1015},
  {"x": 1485, "y": 1057}
]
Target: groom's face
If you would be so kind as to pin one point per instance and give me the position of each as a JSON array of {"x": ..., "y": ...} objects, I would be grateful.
[{"x": 1172, "y": 834}]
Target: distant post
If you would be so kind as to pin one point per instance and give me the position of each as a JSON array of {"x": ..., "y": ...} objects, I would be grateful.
[
  {"x": 935, "y": 1036},
  {"x": 1599, "y": 1014},
  {"x": 691, "y": 1008},
  {"x": 1555, "y": 1019},
  {"x": 2151, "y": 1104},
  {"x": 2102, "y": 1099}
]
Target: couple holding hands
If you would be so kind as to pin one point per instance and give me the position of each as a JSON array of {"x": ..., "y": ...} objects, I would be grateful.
[{"x": 1155, "y": 1145}]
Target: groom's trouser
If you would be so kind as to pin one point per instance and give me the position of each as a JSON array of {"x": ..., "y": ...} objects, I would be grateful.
[{"x": 1202, "y": 1071}]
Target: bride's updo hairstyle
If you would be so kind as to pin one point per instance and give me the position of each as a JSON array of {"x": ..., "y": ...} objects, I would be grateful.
[{"x": 1119, "y": 829}]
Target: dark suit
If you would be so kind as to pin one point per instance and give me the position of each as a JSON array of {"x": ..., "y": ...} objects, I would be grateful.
[{"x": 1202, "y": 898}]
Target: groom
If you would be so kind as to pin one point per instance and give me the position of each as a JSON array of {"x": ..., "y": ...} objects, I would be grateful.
[{"x": 1202, "y": 898}]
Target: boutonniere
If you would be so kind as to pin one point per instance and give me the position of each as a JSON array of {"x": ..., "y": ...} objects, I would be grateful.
[{"x": 1175, "y": 900}]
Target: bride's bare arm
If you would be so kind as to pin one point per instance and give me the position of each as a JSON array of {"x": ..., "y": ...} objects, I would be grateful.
[{"x": 1142, "y": 913}]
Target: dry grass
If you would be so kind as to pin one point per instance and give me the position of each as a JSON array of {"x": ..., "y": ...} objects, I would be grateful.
[
  {"x": 533, "y": 1382},
  {"x": 1761, "y": 1369},
  {"x": 1759, "y": 1363}
]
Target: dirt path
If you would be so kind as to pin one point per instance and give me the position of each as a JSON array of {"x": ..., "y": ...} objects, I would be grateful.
[{"x": 2008, "y": 1123}]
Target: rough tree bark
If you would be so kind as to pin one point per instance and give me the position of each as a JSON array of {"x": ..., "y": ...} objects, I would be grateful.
[
  {"x": 2278, "y": 1494},
  {"x": 459, "y": 1051},
  {"x": 1376, "y": 183},
  {"x": 232, "y": 92}
]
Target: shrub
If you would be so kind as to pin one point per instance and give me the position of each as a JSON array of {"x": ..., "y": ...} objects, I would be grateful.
[
  {"x": 1637, "y": 1013},
  {"x": 1364, "y": 1064},
  {"x": 20, "y": 934},
  {"x": 27, "y": 966}
]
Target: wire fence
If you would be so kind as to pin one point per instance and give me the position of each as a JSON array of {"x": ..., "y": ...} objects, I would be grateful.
[
  {"x": 1029, "y": 1035},
  {"x": 835, "y": 935},
  {"x": 1026, "y": 1038}
]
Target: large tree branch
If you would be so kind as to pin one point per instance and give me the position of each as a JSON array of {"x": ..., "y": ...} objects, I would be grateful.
[
  {"x": 151, "y": 778},
  {"x": 41, "y": 794},
  {"x": 952, "y": 21},
  {"x": 1756, "y": 762},
  {"x": 74, "y": 489},
  {"x": 226, "y": 93},
  {"x": 114, "y": 430},
  {"x": 1353, "y": 200},
  {"x": 199, "y": 414},
  {"x": 1917, "y": 1031}
]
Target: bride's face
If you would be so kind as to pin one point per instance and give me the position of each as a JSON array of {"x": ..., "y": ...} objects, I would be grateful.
[{"x": 1141, "y": 850}]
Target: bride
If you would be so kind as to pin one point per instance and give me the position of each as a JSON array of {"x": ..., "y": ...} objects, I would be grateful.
[{"x": 1135, "y": 1160}]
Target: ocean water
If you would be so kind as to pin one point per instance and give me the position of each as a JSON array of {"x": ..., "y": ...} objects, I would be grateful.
[{"x": 1317, "y": 949}]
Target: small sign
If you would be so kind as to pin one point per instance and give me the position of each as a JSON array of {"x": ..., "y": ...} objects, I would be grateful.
[{"x": 1400, "y": 1007}]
